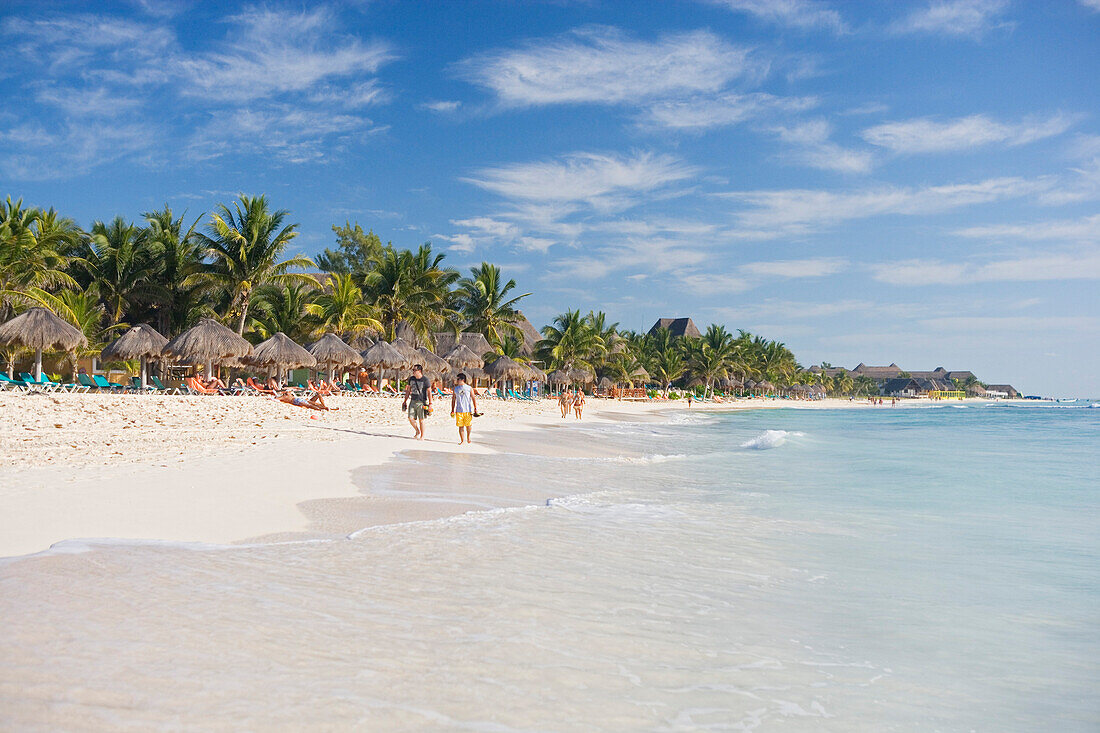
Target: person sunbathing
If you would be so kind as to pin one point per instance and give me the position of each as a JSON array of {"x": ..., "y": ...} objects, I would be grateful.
[
  {"x": 213, "y": 383},
  {"x": 261, "y": 389},
  {"x": 316, "y": 402}
]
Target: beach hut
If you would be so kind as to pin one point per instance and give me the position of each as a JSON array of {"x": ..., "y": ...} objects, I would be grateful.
[
  {"x": 447, "y": 341},
  {"x": 639, "y": 375},
  {"x": 331, "y": 351},
  {"x": 280, "y": 352},
  {"x": 382, "y": 356},
  {"x": 406, "y": 350},
  {"x": 581, "y": 376},
  {"x": 207, "y": 343},
  {"x": 139, "y": 342},
  {"x": 434, "y": 366},
  {"x": 41, "y": 330}
]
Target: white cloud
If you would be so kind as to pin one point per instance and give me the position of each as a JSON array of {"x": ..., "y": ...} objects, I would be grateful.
[
  {"x": 601, "y": 65},
  {"x": 1091, "y": 4},
  {"x": 803, "y": 14},
  {"x": 592, "y": 178},
  {"x": 930, "y": 136},
  {"x": 954, "y": 18},
  {"x": 87, "y": 102},
  {"x": 1073, "y": 230},
  {"x": 30, "y": 151},
  {"x": 813, "y": 147},
  {"x": 75, "y": 41},
  {"x": 1082, "y": 265},
  {"x": 801, "y": 209},
  {"x": 443, "y": 106},
  {"x": 700, "y": 113},
  {"x": 1012, "y": 324},
  {"x": 813, "y": 267},
  {"x": 273, "y": 52}
]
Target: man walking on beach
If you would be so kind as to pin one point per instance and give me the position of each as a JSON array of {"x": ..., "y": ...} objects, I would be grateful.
[
  {"x": 463, "y": 407},
  {"x": 418, "y": 400}
]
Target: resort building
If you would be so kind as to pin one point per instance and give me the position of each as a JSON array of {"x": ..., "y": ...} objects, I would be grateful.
[
  {"x": 677, "y": 327},
  {"x": 1004, "y": 391},
  {"x": 913, "y": 387}
]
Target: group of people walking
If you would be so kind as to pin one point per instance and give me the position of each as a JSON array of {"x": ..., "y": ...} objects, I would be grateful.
[
  {"x": 418, "y": 403},
  {"x": 571, "y": 400}
]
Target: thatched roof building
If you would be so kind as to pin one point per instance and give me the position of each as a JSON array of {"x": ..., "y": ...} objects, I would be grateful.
[
  {"x": 460, "y": 357},
  {"x": 40, "y": 329},
  {"x": 446, "y": 341},
  {"x": 280, "y": 351},
  {"x": 677, "y": 327},
  {"x": 433, "y": 365},
  {"x": 531, "y": 335},
  {"x": 505, "y": 368},
  {"x": 384, "y": 356},
  {"x": 330, "y": 349}
]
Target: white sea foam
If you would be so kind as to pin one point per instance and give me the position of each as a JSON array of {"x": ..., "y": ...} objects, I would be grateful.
[{"x": 770, "y": 439}]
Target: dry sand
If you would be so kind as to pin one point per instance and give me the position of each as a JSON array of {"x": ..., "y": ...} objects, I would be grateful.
[{"x": 222, "y": 470}]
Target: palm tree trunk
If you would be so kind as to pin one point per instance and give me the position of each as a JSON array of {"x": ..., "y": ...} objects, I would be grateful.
[{"x": 244, "y": 317}]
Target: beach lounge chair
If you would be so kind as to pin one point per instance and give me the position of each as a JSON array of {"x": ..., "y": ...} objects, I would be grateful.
[
  {"x": 135, "y": 386},
  {"x": 259, "y": 389},
  {"x": 45, "y": 384},
  {"x": 15, "y": 385},
  {"x": 165, "y": 390},
  {"x": 193, "y": 387},
  {"x": 102, "y": 383}
]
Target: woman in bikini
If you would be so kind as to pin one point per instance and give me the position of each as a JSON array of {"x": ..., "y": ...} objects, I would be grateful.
[
  {"x": 578, "y": 403},
  {"x": 316, "y": 402},
  {"x": 565, "y": 399}
]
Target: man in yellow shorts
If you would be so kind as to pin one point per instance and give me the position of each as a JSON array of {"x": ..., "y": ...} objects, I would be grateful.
[{"x": 463, "y": 407}]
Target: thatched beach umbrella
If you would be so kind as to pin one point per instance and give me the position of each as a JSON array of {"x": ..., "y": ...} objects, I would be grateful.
[
  {"x": 433, "y": 365},
  {"x": 383, "y": 356},
  {"x": 461, "y": 357},
  {"x": 558, "y": 376},
  {"x": 41, "y": 330},
  {"x": 280, "y": 352},
  {"x": 536, "y": 374},
  {"x": 406, "y": 350},
  {"x": 331, "y": 351},
  {"x": 606, "y": 383},
  {"x": 581, "y": 376},
  {"x": 139, "y": 342},
  {"x": 504, "y": 368},
  {"x": 207, "y": 343}
]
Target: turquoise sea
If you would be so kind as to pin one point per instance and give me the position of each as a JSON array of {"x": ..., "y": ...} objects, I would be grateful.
[{"x": 888, "y": 569}]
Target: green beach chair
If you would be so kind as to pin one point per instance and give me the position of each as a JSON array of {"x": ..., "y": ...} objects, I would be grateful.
[
  {"x": 160, "y": 386},
  {"x": 44, "y": 383},
  {"x": 15, "y": 385},
  {"x": 102, "y": 383}
]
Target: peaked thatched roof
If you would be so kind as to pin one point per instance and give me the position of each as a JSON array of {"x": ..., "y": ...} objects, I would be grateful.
[
  {"x": 207, "y": 342},
  {"x": 404, "y": 332},
  {"x": 460, "y": 357},
  {"x": 677, "y": 327},
  {"x": 139, "y": 341},
  {"x": 536, "y": 374},
  {"x": 331, "y": 349},
  {"x": 280, "y": 350},
  {"x": 505, "y": 368},
  {"x": 606, "y": 382},
  {"x": 432, "y": 364},
  {"x": 384, "y": 356},
  {"x": 39, "y": 328},
  {"x": 445, "y": 342},
  {"x": 531, "y": 335},
  {"x": 558, "y": 376},
  {"x": 407, "y": 350},
  {"x": 361, "y": 342}
]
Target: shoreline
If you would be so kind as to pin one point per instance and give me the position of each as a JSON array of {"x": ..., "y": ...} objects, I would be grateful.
[{"x": 294, "y": 478}]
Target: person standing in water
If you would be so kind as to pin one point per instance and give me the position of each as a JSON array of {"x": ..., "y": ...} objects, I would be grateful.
[
  {"x": 418, "y": 400},
  {"x": 463, "y": 407}
]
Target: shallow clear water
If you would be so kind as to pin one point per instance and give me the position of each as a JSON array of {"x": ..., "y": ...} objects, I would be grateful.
[{"x": 889, "y": 569}]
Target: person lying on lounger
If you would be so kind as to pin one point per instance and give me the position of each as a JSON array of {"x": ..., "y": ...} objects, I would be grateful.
[{"x": 316, "y": 402}]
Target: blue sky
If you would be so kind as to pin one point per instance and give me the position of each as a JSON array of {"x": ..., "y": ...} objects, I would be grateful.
[{"x": 882, "y": 182}]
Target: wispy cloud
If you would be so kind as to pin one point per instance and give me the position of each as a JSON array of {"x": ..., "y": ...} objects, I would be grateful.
[
  {"x": 811, "y": 145},
  {"x": 442, "y": 107},
  {"x": 926, "y": 135},
  {"x": 1068, "y": 230},
  {"x": 954, "y": 18},
  {"x": 592, "y": 178},
  {"x": 601, "y": 65},
  {"x": 801, "y": 209},
  {"x": 802, "y": 14},
  {"x": 30, "y": 151},
  {"x": 1091, "y": 4},
  {"x": 812, "y": 267},
  {"x": 1068, "y": 265},
  {"x": 699, "y": 113},
  {"x": 274, "y": 51}
]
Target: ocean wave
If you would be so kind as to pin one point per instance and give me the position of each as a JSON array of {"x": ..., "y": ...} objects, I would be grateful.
[{"x": 770, "y": 439}]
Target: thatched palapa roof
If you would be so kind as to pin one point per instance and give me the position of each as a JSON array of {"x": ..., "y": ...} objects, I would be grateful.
[
  {"x": 206, "y": 343},
  {"x": 280, "y": 351},
  {"x": 446, "y": 342},
  {"x": 558, "y": 376},
  {"x": 432, "y": 364},
  {"x": 384, "y": 356},
  {"x": 139, "y": 342},
  {"x": 535, "y": 373},
  {"x": 406, "y": 350},
  {"x": 460, "y": 357},
  {"x": 506, "y": 368},
  {"x": 40, "y": 328},
  {"x": 331, "y": 349}
]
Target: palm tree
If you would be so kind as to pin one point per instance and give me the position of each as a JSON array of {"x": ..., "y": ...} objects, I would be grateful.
[
  {"x": 412, "y": 287},
  {"x": 32, "y": 253},
  {"x": 283, "y": 307},
  {"x": 570, "y": 342},
  {"x": 120, "y": 266},
  {"x": 247, "y": 244},
  {"x": 340, "y": 308},
  {"x": 484, "y": 304},
  {"x": 514, "y": 347},
  {"x": 179, "y": 266},
  {"x": 843, "y": 382},
  {"x": 668, "y": 366}
]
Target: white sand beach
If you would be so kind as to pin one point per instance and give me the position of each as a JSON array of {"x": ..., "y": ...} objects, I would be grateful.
[{"x": 225, "y": 470}]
